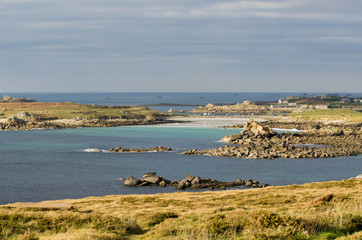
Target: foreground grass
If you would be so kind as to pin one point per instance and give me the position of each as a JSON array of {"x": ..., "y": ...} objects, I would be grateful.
[
  {"x": 43, "y": 110},
  {"x": 287, "y": 212},
  {"x": 329, "y": 114}
]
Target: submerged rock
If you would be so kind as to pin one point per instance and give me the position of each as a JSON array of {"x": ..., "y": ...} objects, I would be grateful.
[{"x": 155, "y": 149}]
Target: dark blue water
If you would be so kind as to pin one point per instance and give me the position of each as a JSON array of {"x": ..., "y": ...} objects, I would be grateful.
[
  {"x": 195, "y": 99},
  {"x": 52, "y": 164}
]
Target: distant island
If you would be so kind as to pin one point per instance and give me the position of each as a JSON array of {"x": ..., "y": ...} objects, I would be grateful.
[
  {"x": 296, "y": 106},
  {"x": 7, "y": 99},
  {"x": 26, "y": 114}
]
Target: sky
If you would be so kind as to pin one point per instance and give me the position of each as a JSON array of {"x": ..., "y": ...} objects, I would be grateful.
[{"x": 180, "y": 46}]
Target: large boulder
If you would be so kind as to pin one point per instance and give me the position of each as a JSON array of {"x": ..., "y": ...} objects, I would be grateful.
[
  {"x": 231, "y": 138},
  {"x": 257, "y": 128},
  {"x": 131, "y": 181},
  {"x": 196, "y": 180},
  {"x": 151, "y": 178}
]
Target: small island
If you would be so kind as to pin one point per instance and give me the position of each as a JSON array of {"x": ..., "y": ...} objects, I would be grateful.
[{"x": 19, "y": 115}]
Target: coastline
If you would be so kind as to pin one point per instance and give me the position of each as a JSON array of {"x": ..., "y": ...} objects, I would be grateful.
[{"x": 209, "y": 121}]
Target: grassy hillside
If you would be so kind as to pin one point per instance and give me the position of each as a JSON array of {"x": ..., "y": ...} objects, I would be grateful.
[
  {"x": 43, "y": 110},
  {"x": 330, "y": 114},
  {"x": 312, "y": 211}
]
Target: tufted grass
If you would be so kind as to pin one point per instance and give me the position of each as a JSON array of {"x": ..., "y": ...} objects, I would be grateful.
[{"x": 284, "y": 212}]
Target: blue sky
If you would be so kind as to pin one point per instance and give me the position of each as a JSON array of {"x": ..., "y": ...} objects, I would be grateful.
[{"x": 181, "y": 45}]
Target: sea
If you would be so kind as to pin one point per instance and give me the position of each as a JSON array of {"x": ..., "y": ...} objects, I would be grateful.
[{"x": 39, "y": 165}]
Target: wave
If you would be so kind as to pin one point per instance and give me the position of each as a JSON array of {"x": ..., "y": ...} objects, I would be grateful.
[{"x": 94, "y": 150}]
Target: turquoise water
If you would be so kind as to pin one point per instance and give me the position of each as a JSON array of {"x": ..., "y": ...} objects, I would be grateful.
[{"x": 52, "y": 164}]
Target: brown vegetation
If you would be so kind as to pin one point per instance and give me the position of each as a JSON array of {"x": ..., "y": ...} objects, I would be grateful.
[{"x": 285, "y": 212}]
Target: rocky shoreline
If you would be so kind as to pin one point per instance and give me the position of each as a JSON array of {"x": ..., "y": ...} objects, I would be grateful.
[
  {"x": 20, "y": 124},
  {"x": 306, "y": 125},
  {"x": 258, "y": 140},
  {"x": 190, "y": 182}
]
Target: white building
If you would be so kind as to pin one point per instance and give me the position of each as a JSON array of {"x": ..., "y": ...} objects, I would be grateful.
[{"x": 321, "y": 107}]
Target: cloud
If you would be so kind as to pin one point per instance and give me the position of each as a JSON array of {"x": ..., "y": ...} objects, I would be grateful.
[
  {"x": 207, "y": 37},
  {"x": 256, "y": 5},
  {"x": 78, "y": 24}
]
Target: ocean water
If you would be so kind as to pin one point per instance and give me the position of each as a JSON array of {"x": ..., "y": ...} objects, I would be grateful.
[
  {"x": 167, "y": 99},
  {"x": 53, "y": 164}
]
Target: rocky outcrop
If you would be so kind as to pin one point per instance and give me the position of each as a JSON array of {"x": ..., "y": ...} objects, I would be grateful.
[
  {"x": 263, "y": 143},
  {"x": 190, "y": 182},
  {"x": 131, "y": 181},
  {"x": 155, "y": 149},
  {"x": 257, "y": 128},
  {"x": 307, "y": 125}
]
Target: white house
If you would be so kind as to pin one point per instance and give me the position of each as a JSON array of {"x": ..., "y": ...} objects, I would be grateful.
[{"x": 321, "y": 107}]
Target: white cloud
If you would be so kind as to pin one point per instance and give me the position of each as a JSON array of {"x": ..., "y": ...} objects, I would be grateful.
[{"x": 256, "y": 5}]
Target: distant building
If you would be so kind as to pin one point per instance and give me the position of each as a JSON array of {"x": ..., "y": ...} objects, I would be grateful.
[
  {"x": 292, "y": 104},
  {"x": 282, "y": 100},
  {"x": 358, "y": 100},
  {"x": 321, "y": 107}
]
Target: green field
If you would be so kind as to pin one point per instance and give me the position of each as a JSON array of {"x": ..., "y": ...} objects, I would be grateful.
[
  {"x": 45, "y": 111},
  {"x": 329, "y": 114}
]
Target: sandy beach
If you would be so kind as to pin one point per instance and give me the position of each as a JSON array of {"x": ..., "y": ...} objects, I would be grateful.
[{"x": 209, "y": 121}]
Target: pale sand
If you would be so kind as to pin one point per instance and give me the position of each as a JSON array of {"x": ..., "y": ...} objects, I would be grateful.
[{"x": 209, "y": 121}]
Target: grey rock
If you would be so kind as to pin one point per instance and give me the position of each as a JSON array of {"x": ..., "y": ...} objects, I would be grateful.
[
  {"x": 141, "y": 184},
  {"x": 151, "y": 178},
  {"x": 181, "y": 185},
  {"x": 131, "y": 181},
  {"x": 162, "y": 184}
]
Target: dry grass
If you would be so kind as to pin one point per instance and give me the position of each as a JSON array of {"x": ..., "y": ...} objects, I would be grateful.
[{"x": 286, "y": 212}]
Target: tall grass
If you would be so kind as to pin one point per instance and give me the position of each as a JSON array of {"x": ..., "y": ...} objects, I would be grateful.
[
  {"x": 285, "y": 212},
  {"x": 28, "y": 224}
]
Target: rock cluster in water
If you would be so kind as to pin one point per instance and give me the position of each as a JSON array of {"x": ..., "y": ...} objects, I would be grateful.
[
  {"x": 259, "y": 141},
  {"x": 155, "y": 149},
  {"x": 191, "y": 182}
]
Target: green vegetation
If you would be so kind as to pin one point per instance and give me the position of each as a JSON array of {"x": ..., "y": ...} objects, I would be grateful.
[
  {"x": 330, "y": 210},
  {"x": 45, "y": 111},
  {"x": 329, "y": 114},
  {"x": 24, "y": 224}
]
